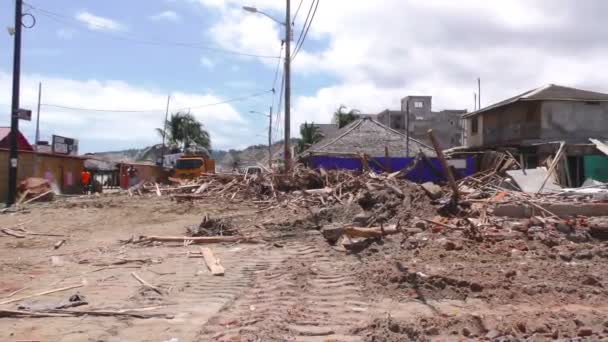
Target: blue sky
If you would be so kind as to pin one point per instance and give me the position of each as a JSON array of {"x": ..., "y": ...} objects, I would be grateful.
[
  {"x": 93, "y": 41},
  {"x": 364, "y": 54}
]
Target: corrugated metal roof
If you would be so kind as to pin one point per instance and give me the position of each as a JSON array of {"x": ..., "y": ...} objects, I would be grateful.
[{"x": 547, "y": 93}]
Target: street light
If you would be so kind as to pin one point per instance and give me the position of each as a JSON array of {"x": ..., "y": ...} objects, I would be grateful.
[
  {"x": 287, "y": 73},
  {"x": 255, "y": 10}
]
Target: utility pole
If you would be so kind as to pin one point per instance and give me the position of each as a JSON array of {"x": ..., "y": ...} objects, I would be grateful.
[
  {"x": 479, "y": 92},
  {"x": 165, "y": 129},
  {"x": 38, "y": 113},
  {"x": 474, "y": 101},
  {"x": 270, "y": 139},
  {"x": 287, "y": 128},
  {"x": 13, "y": 155},
  {"x": 407, "y": 127}
]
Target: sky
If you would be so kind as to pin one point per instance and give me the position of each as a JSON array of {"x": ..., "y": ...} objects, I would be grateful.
[{"x": 123, "y": 59}]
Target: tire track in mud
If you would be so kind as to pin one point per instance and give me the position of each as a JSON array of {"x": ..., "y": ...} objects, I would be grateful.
[{"x": 310, "y": 296}]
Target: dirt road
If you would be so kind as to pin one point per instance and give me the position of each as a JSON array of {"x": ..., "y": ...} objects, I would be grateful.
[{"x": 292, "y": 287}]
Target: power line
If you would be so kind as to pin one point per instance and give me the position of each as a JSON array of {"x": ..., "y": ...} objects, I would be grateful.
[
  {"x": 305, "y": 23},
  {"x": 155, "y": 110},
  {"x": 71, "y": 21},
  {"x": 306, "y": 32},
  {"x": 297, "y": 11},
  {"x": 276, "y": 72}
]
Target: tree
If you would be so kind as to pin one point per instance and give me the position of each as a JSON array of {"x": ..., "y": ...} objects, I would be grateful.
[
  {"x": 310, "y": 134},
  {"x": 183, "y": 129},
  {"x": 343, "y": 117}
]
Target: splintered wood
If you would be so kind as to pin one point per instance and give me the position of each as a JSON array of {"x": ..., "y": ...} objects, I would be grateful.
[{"x": 212, "y": 262}]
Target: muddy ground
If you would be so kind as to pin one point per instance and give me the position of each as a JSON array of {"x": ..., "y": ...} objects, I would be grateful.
[{"x": 423, "y": 284}]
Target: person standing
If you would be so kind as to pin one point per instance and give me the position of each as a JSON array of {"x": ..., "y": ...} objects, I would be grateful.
[{"x": 85, "y": 178}]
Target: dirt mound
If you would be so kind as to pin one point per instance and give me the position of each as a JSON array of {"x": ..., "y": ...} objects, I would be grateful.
[{"x": 212, "y": 227}]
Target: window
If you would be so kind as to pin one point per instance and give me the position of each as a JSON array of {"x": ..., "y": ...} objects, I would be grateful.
[
  {"x": 474, "y": 125},
  {"x": 418, "y": 104},
  {"x": 186, "y": 164}
]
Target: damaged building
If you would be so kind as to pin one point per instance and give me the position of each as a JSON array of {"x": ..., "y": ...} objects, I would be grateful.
[{"x": 541, "y": 122}]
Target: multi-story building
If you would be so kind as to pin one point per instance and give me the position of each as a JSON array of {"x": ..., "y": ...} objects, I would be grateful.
[{"x": 447, "y": 124}]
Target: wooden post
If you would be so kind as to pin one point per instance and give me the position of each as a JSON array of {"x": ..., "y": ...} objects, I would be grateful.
[
  {"x": 444, "y": 165},
  {"x": 388, "y": 160},
  {"x": 558, "y": 156}
]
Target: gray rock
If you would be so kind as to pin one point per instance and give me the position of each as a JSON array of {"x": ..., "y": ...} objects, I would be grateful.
[
  {"x": 421, "y": 225},
  {"x": 584, "y": 255},
  {"x": 362, "y": 219},
  {"x": 432, "y": 190},
  {"x": 564, "y": 228},
  {"x": 332, "y": 232}
]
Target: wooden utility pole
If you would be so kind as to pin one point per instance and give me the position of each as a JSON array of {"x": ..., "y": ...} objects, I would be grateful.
[
  {"x": 37, "y": 139},
  {"x": 445, "y": 166},
  {"x": 287, "y": 127},
  {"x": 270, "y": 139},
  {"x": 13, "y": 154}
]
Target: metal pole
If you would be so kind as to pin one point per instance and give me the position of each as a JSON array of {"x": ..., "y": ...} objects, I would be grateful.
[
  {"x": 270, "y": 139},
  {"x": 479, "y": 92},
  {"x": 474, "y": 101},
  {"x": 165, "y": 129},
  {"x": 38, "y": 113},
  {"x": 13, "y": 155},
  {"x": 407, "y": 127},
  {"x": 287, "y": 127}
]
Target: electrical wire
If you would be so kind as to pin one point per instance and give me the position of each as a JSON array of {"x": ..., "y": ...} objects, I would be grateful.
[
  {"x": 298, "y": 47},
  {"x": 276, "y": 72},
  {"x": 305, "y": 23},
  {"x": 71, "y": 21},
  {"x": 293, "y": 21},
  {"x": 235, "y": 99}
]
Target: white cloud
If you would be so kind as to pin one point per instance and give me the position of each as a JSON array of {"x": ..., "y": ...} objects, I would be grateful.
[
  {"x": 207, "y": 62},
  {"x": 376, "y": 52},
  {"x": 98, "y": 23},
  {"x": 98, "y": 131},
  {"x": 165, "y": 15}
]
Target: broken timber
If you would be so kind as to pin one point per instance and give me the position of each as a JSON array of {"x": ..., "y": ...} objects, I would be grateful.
[
  {"x": 370, "y": 232},
  {"x": 198, "y": 240},
  {"x": 212, "y": 262}
]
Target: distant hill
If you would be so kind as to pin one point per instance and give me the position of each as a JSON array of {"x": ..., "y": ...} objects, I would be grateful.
[{"x": 224, "y": 160}]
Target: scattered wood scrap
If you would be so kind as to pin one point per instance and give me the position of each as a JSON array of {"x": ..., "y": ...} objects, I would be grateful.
[
  {"x": 13, "y": 233},
  {"x": 146, "y": 284},
  {"x": 41, "y": 294},
  {"x": 371, "y": 232},
  {"x": 212, "y": 262},
  {"x": 78, "y": 313},
  {"x": 59, "y": 244},
  {"x": 199, "y": 240}
]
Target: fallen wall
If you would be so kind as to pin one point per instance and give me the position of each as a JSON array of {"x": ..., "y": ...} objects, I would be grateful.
[{"x": 518, "y": 210}]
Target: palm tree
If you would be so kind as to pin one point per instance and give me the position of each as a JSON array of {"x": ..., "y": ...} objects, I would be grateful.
[
  {"x": 343, "y": 118},
  {"x": 310, "y": 134},
  {"x": 183, "y": 129}
]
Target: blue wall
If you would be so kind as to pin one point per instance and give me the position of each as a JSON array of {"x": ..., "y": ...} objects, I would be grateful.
[{"x": 423, "y": 172}]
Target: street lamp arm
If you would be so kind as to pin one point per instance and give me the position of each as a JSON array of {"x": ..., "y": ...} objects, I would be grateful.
[{"x": 255, "y": 10}]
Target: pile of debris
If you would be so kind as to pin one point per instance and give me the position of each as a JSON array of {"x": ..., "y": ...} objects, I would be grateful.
[{"x": 212, "y": 227}]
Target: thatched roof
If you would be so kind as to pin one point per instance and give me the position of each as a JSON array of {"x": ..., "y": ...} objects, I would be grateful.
[{"x": 369, "y": 137}]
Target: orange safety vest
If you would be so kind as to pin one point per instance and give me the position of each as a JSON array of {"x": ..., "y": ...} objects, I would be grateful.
[{"x": 86, "y": 177}]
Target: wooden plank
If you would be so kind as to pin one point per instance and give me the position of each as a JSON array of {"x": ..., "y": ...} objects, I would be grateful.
[
  {"x": 41, "y": 294},
  {"x": 212, "y": 262},
  {"x": 370, "y": 232},
  {"x": 198, "y": 239},
  {"x": 600, "y": 146},
  {"x": 157, "y": 190},
  {"x": 444, "y": 165},
  {"x": 558, "y": 156}
]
